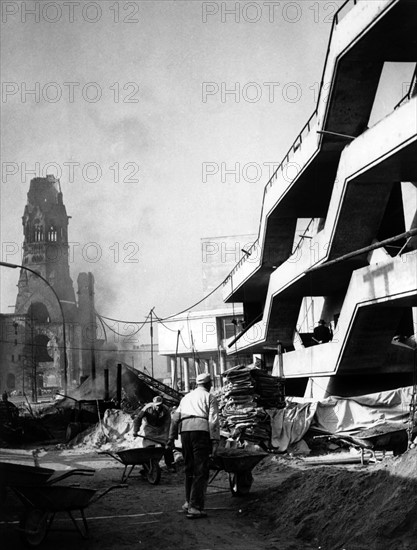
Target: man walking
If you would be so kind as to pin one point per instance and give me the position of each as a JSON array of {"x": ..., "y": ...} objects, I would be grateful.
[{"x": 197, "y": 420}]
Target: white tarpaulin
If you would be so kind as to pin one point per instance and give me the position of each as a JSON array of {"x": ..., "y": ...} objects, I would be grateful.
[
  {"x": 351, "y": 414},
  {"x": 338, "y": 415},
  {"x": 290, "y": 424}
]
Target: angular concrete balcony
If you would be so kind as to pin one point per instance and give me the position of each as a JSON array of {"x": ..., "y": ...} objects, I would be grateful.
[
  {"x": 368, "y": 321},
  {"x": 368, "y": 169},
  {"x": 363, "y": 37},
  {"x": 370, "y": 34},
  {"x": 371, "y": 311}
]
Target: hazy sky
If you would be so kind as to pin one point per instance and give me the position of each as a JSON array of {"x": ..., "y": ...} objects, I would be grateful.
[{"x": 138, "y": 91}]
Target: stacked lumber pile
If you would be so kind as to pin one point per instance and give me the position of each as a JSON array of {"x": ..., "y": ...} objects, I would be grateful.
[
  {"x": 247, "y": 392},
  {"x": 270, "y": 389}
]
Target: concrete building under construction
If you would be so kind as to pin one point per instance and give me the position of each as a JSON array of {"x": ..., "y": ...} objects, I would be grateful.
[{"x": 338, "y": 228}]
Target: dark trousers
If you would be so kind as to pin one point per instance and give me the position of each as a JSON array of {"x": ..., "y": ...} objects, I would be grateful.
[
  {"x": 169, "y": 457},
  {"x": 196, "y": 449}
]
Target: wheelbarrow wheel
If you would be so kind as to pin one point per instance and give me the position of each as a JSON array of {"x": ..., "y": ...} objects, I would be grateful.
[
  {"x": 240, "y": 483},
  {"x": 33, "y": 527},
  {"x": 153, "y": 472}
]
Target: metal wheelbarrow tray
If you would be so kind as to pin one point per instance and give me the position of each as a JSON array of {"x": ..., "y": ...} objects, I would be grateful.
[
  {"x": 21, "y": 474},
  {"x": 148, "y": 457},
  {"x": 385, "y": 436},
  {"x": 43, "y": 502},
  {"x": 239, "y": 464},
  {"x": 16, "y": 475}
]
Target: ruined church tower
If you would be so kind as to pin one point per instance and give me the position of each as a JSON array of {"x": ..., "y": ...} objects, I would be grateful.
[
  {"x": 45, "y": 250},
  {"x": 53, "y": 325}
]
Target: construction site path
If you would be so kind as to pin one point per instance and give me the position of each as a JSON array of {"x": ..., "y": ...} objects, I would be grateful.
[
  {"x": 141, "y": 515},
  {"x": 291, "y": 506}
]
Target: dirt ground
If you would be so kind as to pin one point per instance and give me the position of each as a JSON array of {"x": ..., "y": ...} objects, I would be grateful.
[{"x": 291, "y": 506}]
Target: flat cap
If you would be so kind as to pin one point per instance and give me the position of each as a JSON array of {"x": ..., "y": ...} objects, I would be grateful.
[{"x": 203, "y": 378}]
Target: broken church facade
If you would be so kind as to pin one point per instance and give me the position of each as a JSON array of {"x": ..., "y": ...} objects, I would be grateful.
[{"x": 50, "y": 318}]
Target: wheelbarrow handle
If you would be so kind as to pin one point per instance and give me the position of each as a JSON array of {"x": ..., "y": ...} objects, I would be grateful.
[
  {"x": 159, "y": 442},
  {"x": 113, "y": 455},
  {"x": 151, "y": 439},
  {"x": 76, "y": 471},
  {"x": 100, "y": 495}
]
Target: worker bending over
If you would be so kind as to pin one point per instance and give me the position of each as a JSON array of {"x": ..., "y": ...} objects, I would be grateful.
[{"x": 152, "y": 424}]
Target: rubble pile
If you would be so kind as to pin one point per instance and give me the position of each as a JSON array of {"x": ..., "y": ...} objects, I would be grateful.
[
  {"x": 112, "y": 432},
  {"x": 352, "y": 508},
  {"x": 247, "y": 392}
]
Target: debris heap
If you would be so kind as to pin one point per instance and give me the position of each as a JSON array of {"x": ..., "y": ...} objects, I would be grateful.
[{"x": 247, "y": 392}]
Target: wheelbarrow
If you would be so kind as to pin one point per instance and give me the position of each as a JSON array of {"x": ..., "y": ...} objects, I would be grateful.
[
  {"x": 42, "y": 498},
  {"x": 16, "y": 475},
  {"x": 148, "y": 457},
  {"x": 43, "y": 502},
  {"x": 384, "y": 436},
  {"x": 238, "y": 463}
]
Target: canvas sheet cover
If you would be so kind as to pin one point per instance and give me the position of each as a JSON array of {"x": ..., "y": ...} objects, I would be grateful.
[
  {"x": 339, "y": 415},
  {"x": 289, "y": 425},
  {"x": 352, "y": 414}
]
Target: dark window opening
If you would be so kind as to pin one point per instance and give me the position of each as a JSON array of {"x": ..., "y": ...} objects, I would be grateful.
[
  {"x": 41, "y": 349},
  {"x": 39, "y": 312},
  {"x": 11, "y": 381}
]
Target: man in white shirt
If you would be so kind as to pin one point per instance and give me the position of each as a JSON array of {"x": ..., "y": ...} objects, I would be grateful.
[{"x": 197, "y": 418}]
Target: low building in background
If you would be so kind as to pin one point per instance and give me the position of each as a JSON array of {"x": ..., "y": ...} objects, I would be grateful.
[{"x": 195, "y": 341}]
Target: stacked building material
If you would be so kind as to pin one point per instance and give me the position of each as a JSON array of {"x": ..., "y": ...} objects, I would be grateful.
[
  {"x": 245, "y": 395},
  {"x": 270, "y": 389}
]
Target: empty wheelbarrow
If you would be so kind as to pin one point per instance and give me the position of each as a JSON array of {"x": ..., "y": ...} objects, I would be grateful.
[
  {"x": 42, "y": 497},
  {"x": 43, "y": 502},
  {"x": 238, "y": 463},
  {"x": 148, "y": 457}
]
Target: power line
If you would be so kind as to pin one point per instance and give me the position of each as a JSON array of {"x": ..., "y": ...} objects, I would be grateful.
[
  {"x": 123, "y": 321},
  {"x": 71, "y": 348},
  {"x": 104, "y": 328},
  {"x": 118, "y": 333},
  {"x": 159, "y": 320},
  {"x": 196, "y": 304},
  {"x": 169, "y": 316},
  {"x": 184, "y": 344}
]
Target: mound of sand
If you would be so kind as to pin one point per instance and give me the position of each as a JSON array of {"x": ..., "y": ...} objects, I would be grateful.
[{"x": 344, "y": 508}]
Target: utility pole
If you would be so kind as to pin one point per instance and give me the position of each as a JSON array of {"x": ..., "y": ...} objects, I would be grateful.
[
  {"x": 151, "y": 313},
  {"x": 174, "y": 373},
  {"x": 280, "y": 360},
  {"x": 33, "y": 356},
  {"x": 93, "y": 326}
]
